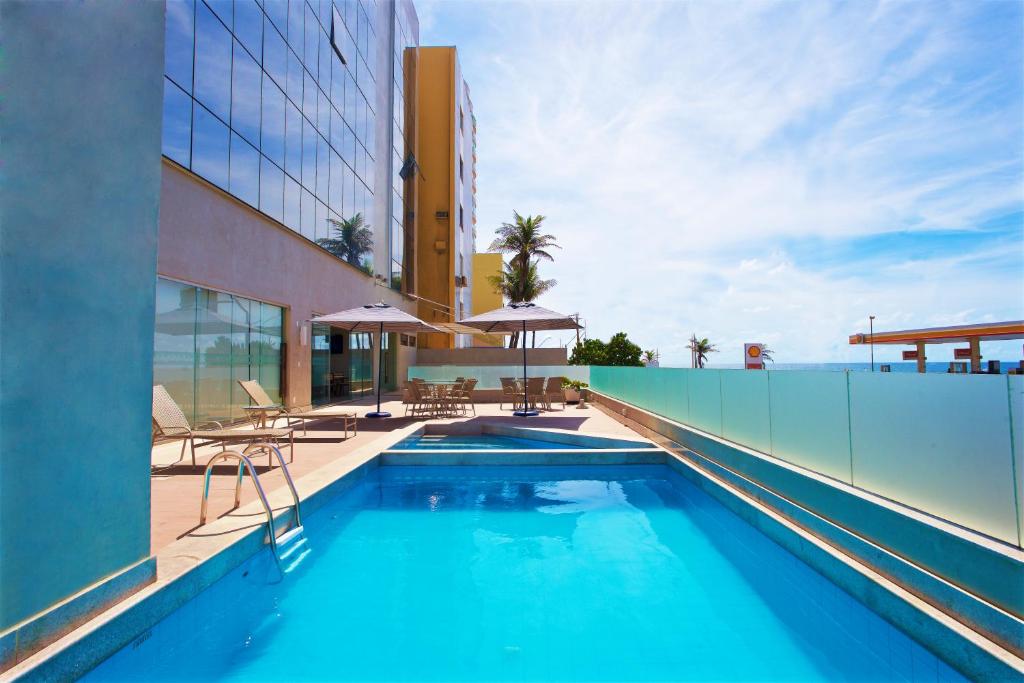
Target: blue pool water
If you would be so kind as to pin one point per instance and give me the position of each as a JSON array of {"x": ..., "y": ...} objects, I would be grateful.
[
  {"x": 421, "y": 442},
  {"x": 527, "y": 574}
]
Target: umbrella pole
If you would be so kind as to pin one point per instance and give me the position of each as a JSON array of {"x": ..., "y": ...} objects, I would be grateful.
[
  {"x": 525, "y": 412},
  {"x": 380, "y": 374}
]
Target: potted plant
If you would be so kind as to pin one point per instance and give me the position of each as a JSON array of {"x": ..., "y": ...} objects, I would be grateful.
[{"x": 573, "y": 389}]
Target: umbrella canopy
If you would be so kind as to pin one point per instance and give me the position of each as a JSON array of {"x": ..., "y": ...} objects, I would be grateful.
[
  {"x": 379, "y": 318},
  {"x": 513, "y": 317},
  {"x": 521, "y": 317},
  {"x": 375, "y": 318}
]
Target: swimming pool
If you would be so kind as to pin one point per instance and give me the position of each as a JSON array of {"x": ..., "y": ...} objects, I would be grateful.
[{"x": 582, "y": 573}]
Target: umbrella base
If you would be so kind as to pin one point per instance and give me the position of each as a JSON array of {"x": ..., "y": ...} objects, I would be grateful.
[
  {"x": 382, "y": 413},
  {"x": 526, "y": 413}
]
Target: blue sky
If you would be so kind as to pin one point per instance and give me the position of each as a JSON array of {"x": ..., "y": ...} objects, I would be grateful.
[{"x": 753, "y": 171}]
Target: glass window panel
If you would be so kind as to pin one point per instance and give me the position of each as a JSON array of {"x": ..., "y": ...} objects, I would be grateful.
[
  {"x": 295, "y": 77},
  {"x": 348, "y": 186},
  {"x": 322, "y": 227},
  {"x": 292, "y": 204},
  {"x": 326, "y": 56},
  {"x": 334, "y": 194},
  {"x": 245, "y": 95},
  {"x": 323, "y": 114},
  {"x": 309, "y": 98},
  {"x": 177, "y": 132},
  {"x": 360, "y": 118},
  {"x": 272, "y": 141},
  {"x": 349, "y": 8},
  {"x": 271, "y": 189},
  {"x": 213, "y": 63},
  {"x": 213, "y": 356},
  {"x": 178, "y": 48},
  {"x": 245, "y": 171},
  {"x": 223, "y": 9},
  {"x": 338, "y": 84},
  {"x": 174, "y": 342},
  {"x": 293, "y": 148},
  {"x": 268, "y": 349},
  {"x": 337, "y": 130},
  {"x": 275, "y": 54},
  {"x": 210, "y": 147},
  {"x": 348, "y": 146},
  {"x": 349, "y": 112},
  {"x": 370, "y": 173},
  {"x": 323, "y": 168},
  {"x": 311, "y": 53},
  {"x": 249, "y": 26},
  {"x": 308, "y": 215},
  {"x": 295, "y": 20},
  {"x": 308, "y": 155},
  {"x": 241, "y": 357},
  {"x": 370, "y": 137},
  {"x": 277, "y": 11}
]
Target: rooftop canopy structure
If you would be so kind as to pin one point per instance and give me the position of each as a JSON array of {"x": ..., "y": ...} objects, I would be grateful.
[{"x": 973, "y": 335}]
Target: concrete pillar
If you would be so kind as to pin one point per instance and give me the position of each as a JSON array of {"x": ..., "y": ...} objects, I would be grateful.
[
  {"x": 975, "y": 355},
  {"x": 81, "y": 126},
  {"x": 921, "y": 358}
]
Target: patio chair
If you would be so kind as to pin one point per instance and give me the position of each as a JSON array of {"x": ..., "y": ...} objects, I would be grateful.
[
  {"x": 510, "y": 392},
  {"x": 464, "y": 396},
  {"x": 535, "y": 391},
  {"x": 420, "y": 400},
  {"x": 553, "y": 389},
  {"x": 169, "y": 422},
  {"x": 264, "y": 407}
]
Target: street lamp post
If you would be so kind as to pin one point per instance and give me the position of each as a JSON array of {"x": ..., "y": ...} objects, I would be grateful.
[{"x": 871, "y": 328}]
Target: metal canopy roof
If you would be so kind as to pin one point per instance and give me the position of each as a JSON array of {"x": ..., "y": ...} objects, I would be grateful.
[{"x": 1011, "y": 329}]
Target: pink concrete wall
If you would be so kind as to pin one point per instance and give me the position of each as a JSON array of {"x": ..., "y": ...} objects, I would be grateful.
[{"x": 211, "y": 239}]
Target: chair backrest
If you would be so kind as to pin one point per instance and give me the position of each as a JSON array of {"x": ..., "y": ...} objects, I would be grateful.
[
  {"x": 167, "y": 415},
  {"x": 508, "y": 384},
  {"x": 460, "y": 379},
  {"x": 554, "y": 385},
  {"x": 256, "y": 392},
  {"x": 534, "y": 385},
  {"x": 469, "y": 385}
]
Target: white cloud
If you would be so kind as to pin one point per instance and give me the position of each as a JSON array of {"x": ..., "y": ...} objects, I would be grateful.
[{"x": 679, "y": 150}]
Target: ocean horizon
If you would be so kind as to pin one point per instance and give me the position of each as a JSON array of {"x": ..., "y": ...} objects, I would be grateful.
[{"x": 897, "y": 366}]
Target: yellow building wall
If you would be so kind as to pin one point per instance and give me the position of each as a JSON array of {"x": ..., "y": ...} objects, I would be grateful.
[
  {"x": 485, "y": 296},
  {"x": 435, "y": 191}
]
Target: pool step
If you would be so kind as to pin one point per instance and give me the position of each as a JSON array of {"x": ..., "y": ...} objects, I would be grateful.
[{"x": 292, "y": 548}]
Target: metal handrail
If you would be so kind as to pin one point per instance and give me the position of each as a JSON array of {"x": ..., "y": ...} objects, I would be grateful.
[{"x": 245, "y": 463}]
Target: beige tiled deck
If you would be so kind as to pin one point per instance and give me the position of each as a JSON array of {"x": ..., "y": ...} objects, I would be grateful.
[{"x": 176, "y": 490}]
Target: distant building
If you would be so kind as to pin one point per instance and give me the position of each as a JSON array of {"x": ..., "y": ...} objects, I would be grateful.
[{"x": 445, "y": 196}]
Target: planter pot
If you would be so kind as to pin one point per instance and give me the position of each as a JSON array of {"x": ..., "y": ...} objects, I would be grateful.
[{"x": 572, "y": 396}]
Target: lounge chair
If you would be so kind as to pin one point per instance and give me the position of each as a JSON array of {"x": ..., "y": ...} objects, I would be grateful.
[
  {"x": 169, "y": 422},
  {"x": 264, "y": 408}
]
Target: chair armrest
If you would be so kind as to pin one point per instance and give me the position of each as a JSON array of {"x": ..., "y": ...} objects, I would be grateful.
[{"x": 211, "y": 422}]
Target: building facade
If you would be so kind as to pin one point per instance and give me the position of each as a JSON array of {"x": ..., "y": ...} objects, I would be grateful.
[
  {"x": 281, "y": 197},
  {"x": 445, "y": 194}
]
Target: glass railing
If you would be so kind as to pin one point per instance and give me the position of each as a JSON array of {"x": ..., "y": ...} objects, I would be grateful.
[
  {"x": 489, "y": 376},
  {"x": 949, "y": 445}
]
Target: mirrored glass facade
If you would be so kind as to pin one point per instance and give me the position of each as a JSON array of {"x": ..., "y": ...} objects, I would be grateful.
[
  {"x": 206, "y": 341},
  {"x": 258, "y": 102},
  {"x": 400, "y": 233}
]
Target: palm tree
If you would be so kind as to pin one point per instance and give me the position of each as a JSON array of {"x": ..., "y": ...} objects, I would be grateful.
[
  {"x": 514, "y": 287},
  {"x": 700, "y": 348},
  {"x": 650, "y": 358},
  {"x": 351, "y": 239},
  {"x": 524, "y": 240},
  {"x": 767, "y": 353}
]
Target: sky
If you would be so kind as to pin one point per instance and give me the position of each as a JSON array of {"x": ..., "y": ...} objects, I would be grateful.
[{"x": 755, "y": 172}]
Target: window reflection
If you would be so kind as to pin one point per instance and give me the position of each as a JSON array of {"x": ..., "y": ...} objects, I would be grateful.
[
  {"x": 293, "y": 147},
  {"x": 271, "y": 189},
  {"x": 245, "y": 95},
  {"x": 210, "y": 147},
  {"x": 272, "y": 143},
  {"x": 292, "y": 200},
  {"x": 245, "y": 171},
  {"x": 177, "y": 133},
  {"x": 213, "y": 63},
  {"x": 249, "y": 26},
  {"x": 178, "y": 47}
]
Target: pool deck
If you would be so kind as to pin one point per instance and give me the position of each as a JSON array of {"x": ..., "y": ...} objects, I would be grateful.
[{"x": 176, "y": 490}]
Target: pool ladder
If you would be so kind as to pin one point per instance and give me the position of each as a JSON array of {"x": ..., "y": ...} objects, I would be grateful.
[{"x": 291, "y": 545}]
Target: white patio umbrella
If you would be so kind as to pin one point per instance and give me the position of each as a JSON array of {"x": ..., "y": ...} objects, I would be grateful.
[
  {"x": 520, "y": 317},
  {"x": 379, "y": 318}
]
